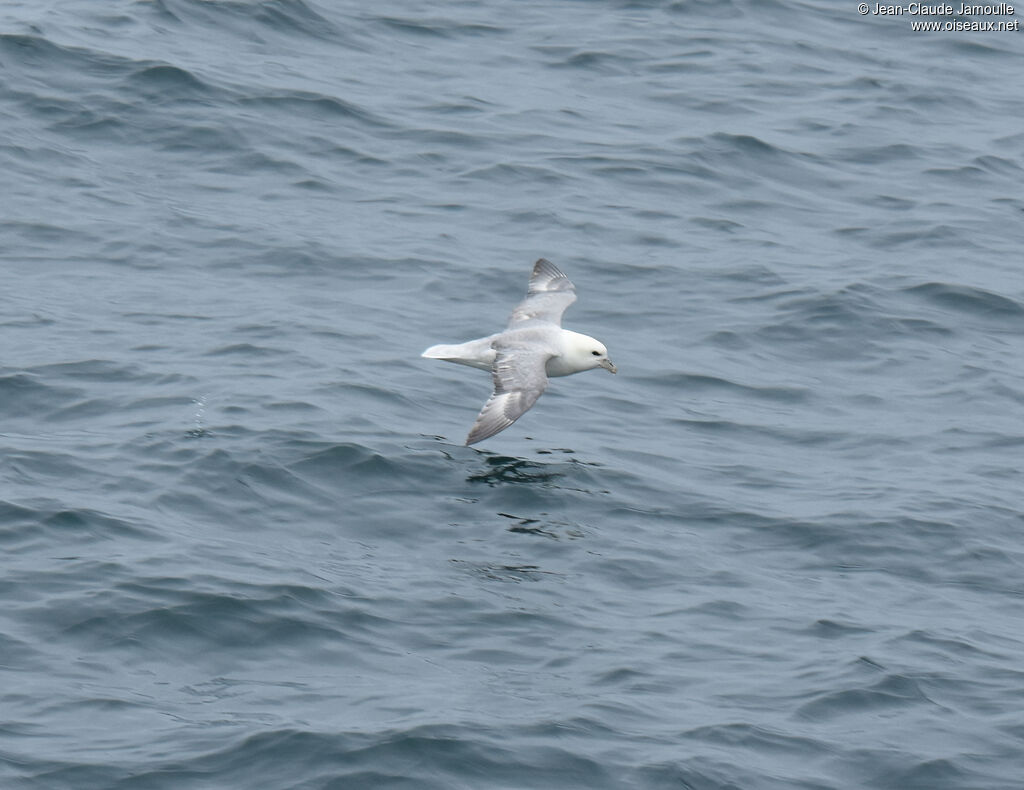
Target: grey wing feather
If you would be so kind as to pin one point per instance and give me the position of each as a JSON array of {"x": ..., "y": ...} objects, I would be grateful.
[
  {"x": 548, "y": 296},
  {"x": 519, "y": 379}
]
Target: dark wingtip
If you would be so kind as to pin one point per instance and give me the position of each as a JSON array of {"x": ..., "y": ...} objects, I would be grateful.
[
  {"x": 554, "y": 279},
  {"x": 544, "y": 266}
]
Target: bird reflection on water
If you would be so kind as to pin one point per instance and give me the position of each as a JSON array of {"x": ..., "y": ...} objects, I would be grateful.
[{"x": 506, "y": 469}]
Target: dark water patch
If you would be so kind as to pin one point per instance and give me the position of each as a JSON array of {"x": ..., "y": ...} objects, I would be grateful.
[
  {"x": 966, "y": 173},
  {"x": 683, "y": 63},
  {"x": 881, "y": 154},
  {"x": 314, "y": 185},
  {"x": 999, "y": 165},
  {"x": 743, "y": 160},
  {"x": 352, "y": 462},
  {"x": 517, "y": 174},
  {"x": 543, "y": 525},
  {"x": 26, "y": 395},
  {"x": 311, "y": 105},
  {"x": 18, "y": 656},
  {"x": 747, "y": 144},
  {"x": 511, "y": 473},
  {"x": 271, "y": 481},
  {"x": 597, "y": 62},
  {"x": 984, "y": 567},
  {"x": 437, "y": 28},
  {"x": 947, "y": 646},
  {"x": 697, "y": 384},
  {"x": 351, "y": 154},
  {"x": 943, "y": 773},
  {"x": 164, "y": 84},
  {"x": 88, "y": 125},
  {"x": 469, "y": 105},
  {"x": 46, "y": 467},
  {"x": 729, "y": 610},
  {"x": 758, "y": 739},
  {"x": 703, "y": 773},
  {"x": 853, "y": 305},
  {"x": 727, "y": 9},
  {"x": 115, "y": 20},
  {"x": 625, "y": 677},
  {"x": 35, "y": 55},
  {"x": 260, "y": 331},
  {"x": 13, "y": 516},
  {"x": 93, "y": 525},
  {"x": 86, "y": 409},
  {"x": 858, "y": 543},
  {"x": 251, "y": 489},
  {"x": 636, "y": 166},
  {"x": 246, "y": 350},
  {"x": 891, "y": 692},
  {"x": 831, "y": 629},
  {"x": 1012, "y": 394},
  {"x": 429, "y": 757},
  {"x": 101, "y": 371},
  {"x": 854, "y": 322},
  {"x": 973, "y": 301},
  {"x": 163, "y": 8},
  {"x": 725, "y": 338},
  {"x": 211, "y": 142},
  {"x": 312, "y": 258},
  {"x": 449, "y": 143},
  {"x": 793, "y": 436},
  {"x": 291, "y": 406},
  {"x": 723, "y": 225},
  {"x": 500, "y": 469},
  {"x": 627, "y": 572},
  {"x": 45, "y": 233},
  {"x": 938, "y": 236},
  {"x": 450, "y": 206},
  {"x": 413, "y": 27},
  {"x": 246, "y": 161},
  {"x": 891, "y": 203},
  {"x": 350, "y": 393},
  {"x": 937, "y": 101},
  {"x": 254, "y": 20},
  {"x": 774, "y": 295},
  {"x": 26, "y": 529},
  {"x": 290, "y": 16},
  {"x": 176, "y": 615},
  {"x": 754, "y": 274},
  {"x": 924, "y": 327},
  {"x": 513, "y": 574},
  {"x": 977, "y": 48},
  {"x": 67, "y": 774}
]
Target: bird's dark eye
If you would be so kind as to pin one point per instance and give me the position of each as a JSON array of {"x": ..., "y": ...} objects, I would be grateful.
[{"x": 596, "y": 353}]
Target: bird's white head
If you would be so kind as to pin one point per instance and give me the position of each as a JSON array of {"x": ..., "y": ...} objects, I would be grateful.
[{"x": 585, "y": 352}]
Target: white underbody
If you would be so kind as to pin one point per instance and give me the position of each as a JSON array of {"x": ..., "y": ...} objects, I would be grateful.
[{"x": 480, "y": 353}]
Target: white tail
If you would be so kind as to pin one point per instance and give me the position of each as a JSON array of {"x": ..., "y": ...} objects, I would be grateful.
[
  {"x": 475, "y": 353},
  {"x": 441, "y": 352}
]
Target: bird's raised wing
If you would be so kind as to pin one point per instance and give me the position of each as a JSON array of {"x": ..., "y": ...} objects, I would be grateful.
[
  {"x": 519, "y": 379},
  {"x": 549, "y": 294}
]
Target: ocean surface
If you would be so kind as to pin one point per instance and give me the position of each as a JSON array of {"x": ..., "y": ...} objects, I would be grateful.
[{"x": 242, "y": 543}]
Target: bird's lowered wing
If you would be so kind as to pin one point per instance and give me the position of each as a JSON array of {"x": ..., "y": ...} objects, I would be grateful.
[{"x": 519, "y": 379}]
